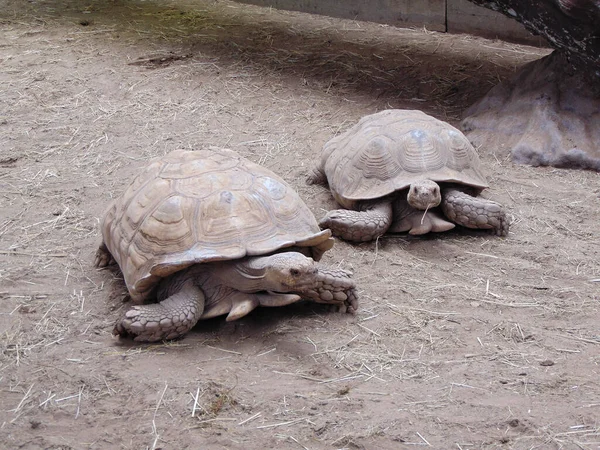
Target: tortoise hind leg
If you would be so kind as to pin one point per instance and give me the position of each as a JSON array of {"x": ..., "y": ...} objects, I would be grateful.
[
  {"x": 317, "y": 176},
  {"x": 243, "y": 303},
  {"x": 103, "y": 257},
  {"x": 359, "y": 226},
  {"x": 169, "y": 319},
  {"x": 474, "y": 212}
]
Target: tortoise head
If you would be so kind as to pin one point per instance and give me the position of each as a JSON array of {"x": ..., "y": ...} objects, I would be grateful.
[
  {"x": 288, "y": 272},
  {"x": 424, "y": 194}
]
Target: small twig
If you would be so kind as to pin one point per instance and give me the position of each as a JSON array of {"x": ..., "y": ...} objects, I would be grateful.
[
  {"x": 510, "y": 305},
  {"x": 346, "y": 378},
  {"x": 424, "y": 440},
  {"x": 466, "y": 386},
  {"x": 154, "y": 417},
  {"x": 306, "y": 377},
  {"x": 250, "y": 418},
  {"x": 589, "y": 341},
  {"x": 281, "y": 424},
  {"x": 267, "y": 352},
  {"x": 369, "y": 330},
  {"x": 296, "y": 441},
  {"x": 66, "y": 398},
  {"x": 79, "y": 401},
  {"x": 224, "y": 350},
  {"x": 376, "y": 250},
  {"x": 314, "y": 345},
  {"x": 483, "y": 254},
  {"x": 218, "y": 419},
  {"x": 16, "y": 410},
  {"x": 195, "y": 402},
  {"x": 17, "y": 253}
]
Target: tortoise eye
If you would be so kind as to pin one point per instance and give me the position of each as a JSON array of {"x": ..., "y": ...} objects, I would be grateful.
[{"x": 294, "y": 272}]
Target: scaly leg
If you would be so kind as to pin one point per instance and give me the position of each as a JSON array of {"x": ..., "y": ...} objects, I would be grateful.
[
  {"x": 335, "y": 287},
  {"x": 317, "y": 176},
  {"x": 169, "y": 319},
  {"x": 474, "y": 212},
  {"x": 103, "y": 257},
  {"x": 359, "y": 226}
]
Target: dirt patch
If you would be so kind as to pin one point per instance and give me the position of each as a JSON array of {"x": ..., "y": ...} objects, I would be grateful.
[{"x": 463, "y": 340}]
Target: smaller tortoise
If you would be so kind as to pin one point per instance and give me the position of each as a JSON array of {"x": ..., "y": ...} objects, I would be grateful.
[
  {"x": 402, "y": 170},
  {"x": 207, "y": 233}
]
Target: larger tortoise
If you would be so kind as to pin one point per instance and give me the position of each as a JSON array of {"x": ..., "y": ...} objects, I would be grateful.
[
  {"x": 402, "y": 170},
  {"x": 207, "y": 233}
]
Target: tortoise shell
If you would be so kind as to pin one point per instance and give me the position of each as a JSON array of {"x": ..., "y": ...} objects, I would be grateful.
[
  {"x": 388, "y": 151},
  {"x": 193, "y": 207}
]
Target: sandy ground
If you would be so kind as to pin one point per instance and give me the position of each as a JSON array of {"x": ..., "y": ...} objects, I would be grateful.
[{"x": 463, "y": 340}]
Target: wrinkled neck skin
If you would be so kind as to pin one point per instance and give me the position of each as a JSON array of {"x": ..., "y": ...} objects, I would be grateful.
[
  {"x": 285, "y": 272},
  {"x": 281, "y": 272},
  {"x": 246, "y": 275}
]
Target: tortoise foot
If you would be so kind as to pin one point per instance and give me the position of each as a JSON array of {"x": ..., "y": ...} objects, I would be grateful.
[
  {"x": 359, "y": 226},
  {"x": 335, "y": 287},
  {"x": 147, "y": 326},
  {"x": 169, "y": 319}
]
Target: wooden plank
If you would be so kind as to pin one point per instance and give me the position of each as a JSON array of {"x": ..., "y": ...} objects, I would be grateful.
[
  {"x": 454, "y": 16},
  {"x": 400, "y": 13},
  {"x": 466, "y": 17}
]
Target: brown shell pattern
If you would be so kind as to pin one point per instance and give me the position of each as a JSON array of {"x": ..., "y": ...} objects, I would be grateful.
[
  {"x": 387, "y": 151},
  {"x": 193, "y": 207}
]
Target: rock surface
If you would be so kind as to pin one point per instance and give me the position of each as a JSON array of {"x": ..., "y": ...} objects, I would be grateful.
[
  {"x": 571, "y": 26},
  {"x": 548, "y": 113}
]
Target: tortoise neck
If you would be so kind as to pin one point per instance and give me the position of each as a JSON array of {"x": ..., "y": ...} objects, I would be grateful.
[{"x": 246, "y": 275}]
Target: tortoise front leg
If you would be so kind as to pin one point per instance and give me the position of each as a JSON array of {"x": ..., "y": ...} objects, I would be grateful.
[
  {"x": 336, "y": 287},
  {"x": 169, "y": 319},
  {"x": 359, "y": 226},
  {"x": 474, "y": 212}
]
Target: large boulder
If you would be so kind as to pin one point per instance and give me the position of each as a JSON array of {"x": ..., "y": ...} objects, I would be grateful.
[{"x": 548, "y": 113}]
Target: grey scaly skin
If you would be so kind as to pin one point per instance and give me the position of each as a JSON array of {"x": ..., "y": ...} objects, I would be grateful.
[
  {"x": 359, "y": 226},
  {"x": 474, "y": 212},
  {"x": 334, "y": 287},
  {"x": 169, "y": 319},
  {"x": 417, "y": 213},
  {"x": 235, "y": 288}
]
